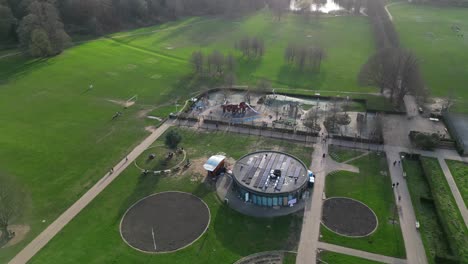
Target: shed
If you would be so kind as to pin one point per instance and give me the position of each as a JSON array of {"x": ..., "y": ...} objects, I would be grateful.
[{"x": 214, "y": 164}]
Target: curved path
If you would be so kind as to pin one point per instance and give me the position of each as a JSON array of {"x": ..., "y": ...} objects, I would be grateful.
[
  {"x": 360, "y": 253},
  {"x": 43, "y": 238}
]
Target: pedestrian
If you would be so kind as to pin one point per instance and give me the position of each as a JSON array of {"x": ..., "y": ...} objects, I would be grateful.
[
  {"x": 126, "y": 159},
  {"x": 323, "y": 155},
  {"x": 397, "y": 184},
  {"x": 399, "y": 198},
  {"x": 394, "y": 163},
  {"x": 393, "y": 185},
  {"x": 399, "y": 162}
]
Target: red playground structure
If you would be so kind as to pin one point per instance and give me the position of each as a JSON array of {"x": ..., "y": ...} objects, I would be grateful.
[{"x": 234, "y": 108}]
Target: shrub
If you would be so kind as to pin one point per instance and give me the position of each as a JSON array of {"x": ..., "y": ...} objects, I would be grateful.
[{"x": 173, "y": 139}]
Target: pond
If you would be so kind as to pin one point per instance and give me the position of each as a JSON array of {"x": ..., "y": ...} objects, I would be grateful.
[{"x": 323, "y": 6}]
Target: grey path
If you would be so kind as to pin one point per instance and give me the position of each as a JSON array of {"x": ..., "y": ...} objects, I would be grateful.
[
  {"x": 453, "y": 187},
  {"x": 360, "y": 254},
  {"x": 307, "y": 252},
  {"x": 43, "y": 238},
  {"x": 413, "y": 244}
]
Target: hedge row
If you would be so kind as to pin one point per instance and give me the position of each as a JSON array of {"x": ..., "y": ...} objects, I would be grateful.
[{"x": 447, "y": 210}]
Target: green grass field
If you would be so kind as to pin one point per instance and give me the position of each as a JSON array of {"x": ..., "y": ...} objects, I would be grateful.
[
  {"x": 427, "y": 30},
  {"x": 347, "y": 41},
  {"x": 340, "y": 154},
  {"x": 434, "y": 239},
  {"x": 449, "y": 215},
  {"x": 58, "y": 138},
  {"x": 336, "y": 258},
  {"x": 459, "y": 172},
  {"x": 93, "y": 236},
  {"x": 374, "y": 189}
]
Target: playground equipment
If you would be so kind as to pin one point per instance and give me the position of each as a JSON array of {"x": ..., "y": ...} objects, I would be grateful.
[{"x": 236, "y": 108}]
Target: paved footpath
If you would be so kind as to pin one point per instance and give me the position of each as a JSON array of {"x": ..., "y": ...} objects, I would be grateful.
[
  {"x": 360, "y": 254},
  {"x": 43, "y": 238},
  {"x": 453, "y": 187},
  {"x": 307, "y": 252},
  {"x": 413, "y": 244}
]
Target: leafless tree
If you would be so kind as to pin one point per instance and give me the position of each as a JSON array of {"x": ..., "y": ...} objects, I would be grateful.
[
  {"x": 279, "y": 7},
  {"x": 230, "y": 63},
  {"x": 230, "y": 79},
  {"x": 263, "y": 85},
  {"x": 216, "y": 59},
  {"x": 197, "y": 61},
  {"x": 395, "y": 70},
  {"x": 11, "y": 204}
]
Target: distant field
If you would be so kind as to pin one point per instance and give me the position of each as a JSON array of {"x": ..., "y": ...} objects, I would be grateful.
[
  {"x": 427, "y": 30},
  {"x": 346, "y": 40},
  {"x": 94, "y": 236}
]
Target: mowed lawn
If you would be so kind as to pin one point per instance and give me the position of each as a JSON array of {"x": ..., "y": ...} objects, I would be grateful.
[
  {"x": 459, "y": 172},
  {"x": 347, "y": 41},
  {"x": 337, "y": 258},
  {"x": 427, "y": 31},
  {"x": 374, "y": 189},
  {"x": 57, "y": 139},
  {"x": 94, "y": 236}
]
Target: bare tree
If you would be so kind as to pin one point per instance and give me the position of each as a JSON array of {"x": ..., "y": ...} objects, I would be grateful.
[
  {"x": 279, "y": 7},
  {"x": 230, "y": 79},
  {"x": 197, "y": 61},
  {"x": 264, "y": 85},
  {"x": 216, "y": 60},
  {"x": 11, "y": 205},
  {"x": 395, "y": 70},
  {"x": 230, "y": 63}
]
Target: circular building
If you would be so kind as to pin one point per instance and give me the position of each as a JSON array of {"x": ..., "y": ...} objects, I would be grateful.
[{"x": 270, "y": 178}]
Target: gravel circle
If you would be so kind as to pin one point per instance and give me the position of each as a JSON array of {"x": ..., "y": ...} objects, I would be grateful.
[
  {"x": 165, "y": 222},
  {"x": 348, "y": 217}
]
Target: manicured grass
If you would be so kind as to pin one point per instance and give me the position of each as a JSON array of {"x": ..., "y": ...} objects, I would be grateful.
[
  {"x": 336, "y": 258},
  {"x": 434, "y": 239},
  {"x": 57, "y": 138},
  {"x": 289, "y": 258},
  {"x": 459, "y": 172},
  {"x": 347, "y": 41},
  {"x": 447, "y": 209},
  {"x": 341, "y": 154},
  {"x": 374, "y": 189},
  {"x": 93, "y": 236},
  {"x": 427, "y": 30}
]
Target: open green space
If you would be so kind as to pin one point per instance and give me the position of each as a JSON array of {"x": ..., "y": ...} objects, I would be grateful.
[
  {"x": 373, "y": 187},
  {"x": 446, "y": 208},
  {"x": 340, "y": 154},
  {"x": 161, "y": 159},
  {"x": 432, "y": 233},
  {"x": 337, "y": 258},
  {"x": 430, "y": 32},
  {"x": 58, "y": 138},
  {"x": 346, "y": 40},
  {"x": 459, "y": 172},
  {"x": 93, "y": 236},
  {"x": 289, "y": 258}
]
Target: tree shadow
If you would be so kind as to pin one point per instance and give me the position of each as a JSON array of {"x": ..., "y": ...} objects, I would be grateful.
[
  {"x": 291, "y": 75},
  {"x": 19, "y": 65}
]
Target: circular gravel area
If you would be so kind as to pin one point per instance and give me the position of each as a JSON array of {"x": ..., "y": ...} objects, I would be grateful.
[
  {"x": 165, "y": 222},
  {"x": 348, "y": 217}
]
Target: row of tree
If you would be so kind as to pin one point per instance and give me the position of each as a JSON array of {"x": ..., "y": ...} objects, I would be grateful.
[
  {"x": 45, "y": 23},
  {"x": 251, "y": 47},
  {"x": 213, "y": 64},
  {"x": 304, "y": 57}
]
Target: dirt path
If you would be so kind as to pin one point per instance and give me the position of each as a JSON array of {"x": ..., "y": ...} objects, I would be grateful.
[{"x": 48, "y": 234}]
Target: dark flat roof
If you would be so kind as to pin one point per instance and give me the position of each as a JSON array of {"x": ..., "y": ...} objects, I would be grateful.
[{"x": 253, "y": 170}]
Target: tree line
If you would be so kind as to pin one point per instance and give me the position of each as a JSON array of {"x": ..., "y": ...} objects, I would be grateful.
[
  {"x": 304, "y": 57},
  {"x": 394, "y": 70},
  {"x": 42, "y": 26}
]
